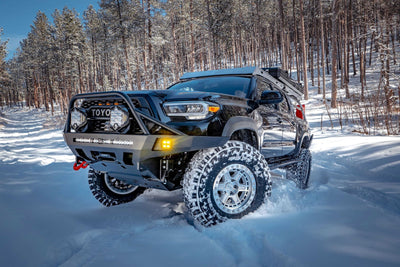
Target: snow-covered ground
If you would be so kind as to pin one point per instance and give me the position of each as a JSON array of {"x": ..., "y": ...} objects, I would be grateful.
[{"x": 350, "y": 216}]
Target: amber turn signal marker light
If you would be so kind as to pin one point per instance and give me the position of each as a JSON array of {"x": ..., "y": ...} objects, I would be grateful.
[
  {"x": 166, "y": 144},
  {"x": 213, "y": 109},
  {"x": 163, "y": 144}
]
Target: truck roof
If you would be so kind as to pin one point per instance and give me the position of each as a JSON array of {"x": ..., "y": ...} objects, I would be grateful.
[{"x": 276, "y": 75}]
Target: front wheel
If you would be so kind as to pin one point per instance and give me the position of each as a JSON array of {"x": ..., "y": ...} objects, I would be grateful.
[
  {"x": 225, "y": 182},
  {"x": 110, "y": 191}
]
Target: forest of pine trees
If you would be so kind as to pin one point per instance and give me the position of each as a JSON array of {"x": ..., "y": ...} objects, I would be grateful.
[{"x": 148, "y": 44}]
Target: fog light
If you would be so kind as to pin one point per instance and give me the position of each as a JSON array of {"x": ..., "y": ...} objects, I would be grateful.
[
  {"x": 78, "y": 119},
  {"x": 119, "y": 118}
]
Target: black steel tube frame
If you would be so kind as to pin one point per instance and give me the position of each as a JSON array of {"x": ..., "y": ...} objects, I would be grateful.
[{"x": 136, "y": 113}]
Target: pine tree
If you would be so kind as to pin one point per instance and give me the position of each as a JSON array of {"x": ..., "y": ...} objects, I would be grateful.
[
  {"x": 95, "y": 36},
  {"x": 3, "y": 54},
  {"x": 116, "y": 19},
  {"x": 4, "y": 77},
  {"x": 335, "y": 9}
]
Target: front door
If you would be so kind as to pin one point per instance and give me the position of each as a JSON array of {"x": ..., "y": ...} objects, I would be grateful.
[{"x": 278, "y": 131}]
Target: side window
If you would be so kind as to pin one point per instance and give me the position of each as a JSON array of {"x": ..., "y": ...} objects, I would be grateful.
[
  {"x": 261, "y": 87},
  {"x": 284, "y": 106}
]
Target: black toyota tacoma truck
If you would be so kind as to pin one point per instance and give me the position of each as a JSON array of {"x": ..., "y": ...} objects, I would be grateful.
[{"x": 216, "y": 134}]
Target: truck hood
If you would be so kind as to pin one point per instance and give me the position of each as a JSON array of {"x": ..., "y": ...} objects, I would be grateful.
[{"x": 173, "y": 95}]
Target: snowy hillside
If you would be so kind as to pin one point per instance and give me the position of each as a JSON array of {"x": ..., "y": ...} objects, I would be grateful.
[{"x": 350, "y": 215}]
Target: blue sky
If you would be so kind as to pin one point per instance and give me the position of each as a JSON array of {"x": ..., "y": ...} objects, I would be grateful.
[{"x": 17, "y": 16}]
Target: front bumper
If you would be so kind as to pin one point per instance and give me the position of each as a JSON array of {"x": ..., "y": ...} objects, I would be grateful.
[{"x": 122, "y": 156}]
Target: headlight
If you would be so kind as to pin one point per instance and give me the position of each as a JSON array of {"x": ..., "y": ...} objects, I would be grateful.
[
  {"x": 78, "y": 119},
  {"x": 191, "y": 110},
  {"x": 119, "y": 118}
]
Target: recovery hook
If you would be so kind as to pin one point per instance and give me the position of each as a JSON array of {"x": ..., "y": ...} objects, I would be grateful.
[{"x": 80, "y": 164}]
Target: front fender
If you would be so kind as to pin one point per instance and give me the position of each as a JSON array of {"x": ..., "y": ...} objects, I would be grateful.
[{"x": 240, "y": 123}]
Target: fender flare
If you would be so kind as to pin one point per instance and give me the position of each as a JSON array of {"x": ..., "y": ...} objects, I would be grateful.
[
  {"x": 240, "y": 123},
  {"x": 305, "y": 139}
]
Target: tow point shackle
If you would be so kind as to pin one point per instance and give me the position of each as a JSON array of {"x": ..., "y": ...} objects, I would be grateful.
[{"x": 80, "y": 165}]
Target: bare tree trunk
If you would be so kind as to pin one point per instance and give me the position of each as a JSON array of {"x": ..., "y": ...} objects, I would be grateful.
[
  {"x": 303, "y": 50},
  {"x": 334, "y": 53},
  {"x": 211, "y": 41},
  {"x": 352, "y": 38},
  {"x": 283, "y": 36},
  {"x": 345, "y": 57},
  {"x": 295, "y": 42},
  {"x": 362, "y": 68},
  {"x": 192, "y": 41},
  {"x": 36, "y": 92},
  {"x": 321, "y": 22},
  {"x": 327, "y": 58},
  {"x": 386, "y": 62},
  {"x": 234, "y": 43},
  {"x": 311, "y": 56},
  {"x": 175, "y": 57},
  {"x": 123, "y": 37},
  {"x": 371, "y": 48},
  {"x": 318, "y": 61},
  {"x": 138, "y": 76},
  {"x": 340, "y": 49},
  {"x": 311, "y": 38},
  {"x": 393, "y": 44}
]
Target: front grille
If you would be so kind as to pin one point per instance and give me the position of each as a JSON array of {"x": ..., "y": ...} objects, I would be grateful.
[
  {"x": 108, "y": 102},
  {"x": 100, "y": 125},
  {"x": 97, "y": 111}
]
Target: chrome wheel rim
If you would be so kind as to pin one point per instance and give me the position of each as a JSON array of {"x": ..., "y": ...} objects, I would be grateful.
[
  {"x": 234, "y": 188},
  {"x": 117, "y": 186}
]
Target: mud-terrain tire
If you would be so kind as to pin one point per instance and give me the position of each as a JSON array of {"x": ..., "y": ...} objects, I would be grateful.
[
  {"x": 300, "y": 172},
  {"x": 225, "y": 182},
  {"x": 110, "y": 191}
]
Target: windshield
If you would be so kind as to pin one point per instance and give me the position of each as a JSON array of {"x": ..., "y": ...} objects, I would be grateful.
[{"x": 230, "y": 85}]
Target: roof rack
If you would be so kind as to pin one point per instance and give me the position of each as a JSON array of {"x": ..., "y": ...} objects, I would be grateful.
[
  {"x": 208, "y": 73},
  {"x": 291, "y": 87}
]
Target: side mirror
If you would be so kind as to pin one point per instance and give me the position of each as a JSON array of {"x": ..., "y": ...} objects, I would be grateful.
[{"x": 270, "y": 97}]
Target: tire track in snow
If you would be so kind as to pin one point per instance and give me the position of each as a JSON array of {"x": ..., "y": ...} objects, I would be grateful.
[
  {"x": 247, "y": 246},
  {"x": 375, "y": 198},
  {"x": 23, "y": 139},
  {"x": 352, "y": 178}
]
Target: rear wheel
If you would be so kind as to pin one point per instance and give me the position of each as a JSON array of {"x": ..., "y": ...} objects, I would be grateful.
[
  {"x": 110, "y": 191},
  {"x": 225, "y": 182},
  {"x": 300, "y": 172}
]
